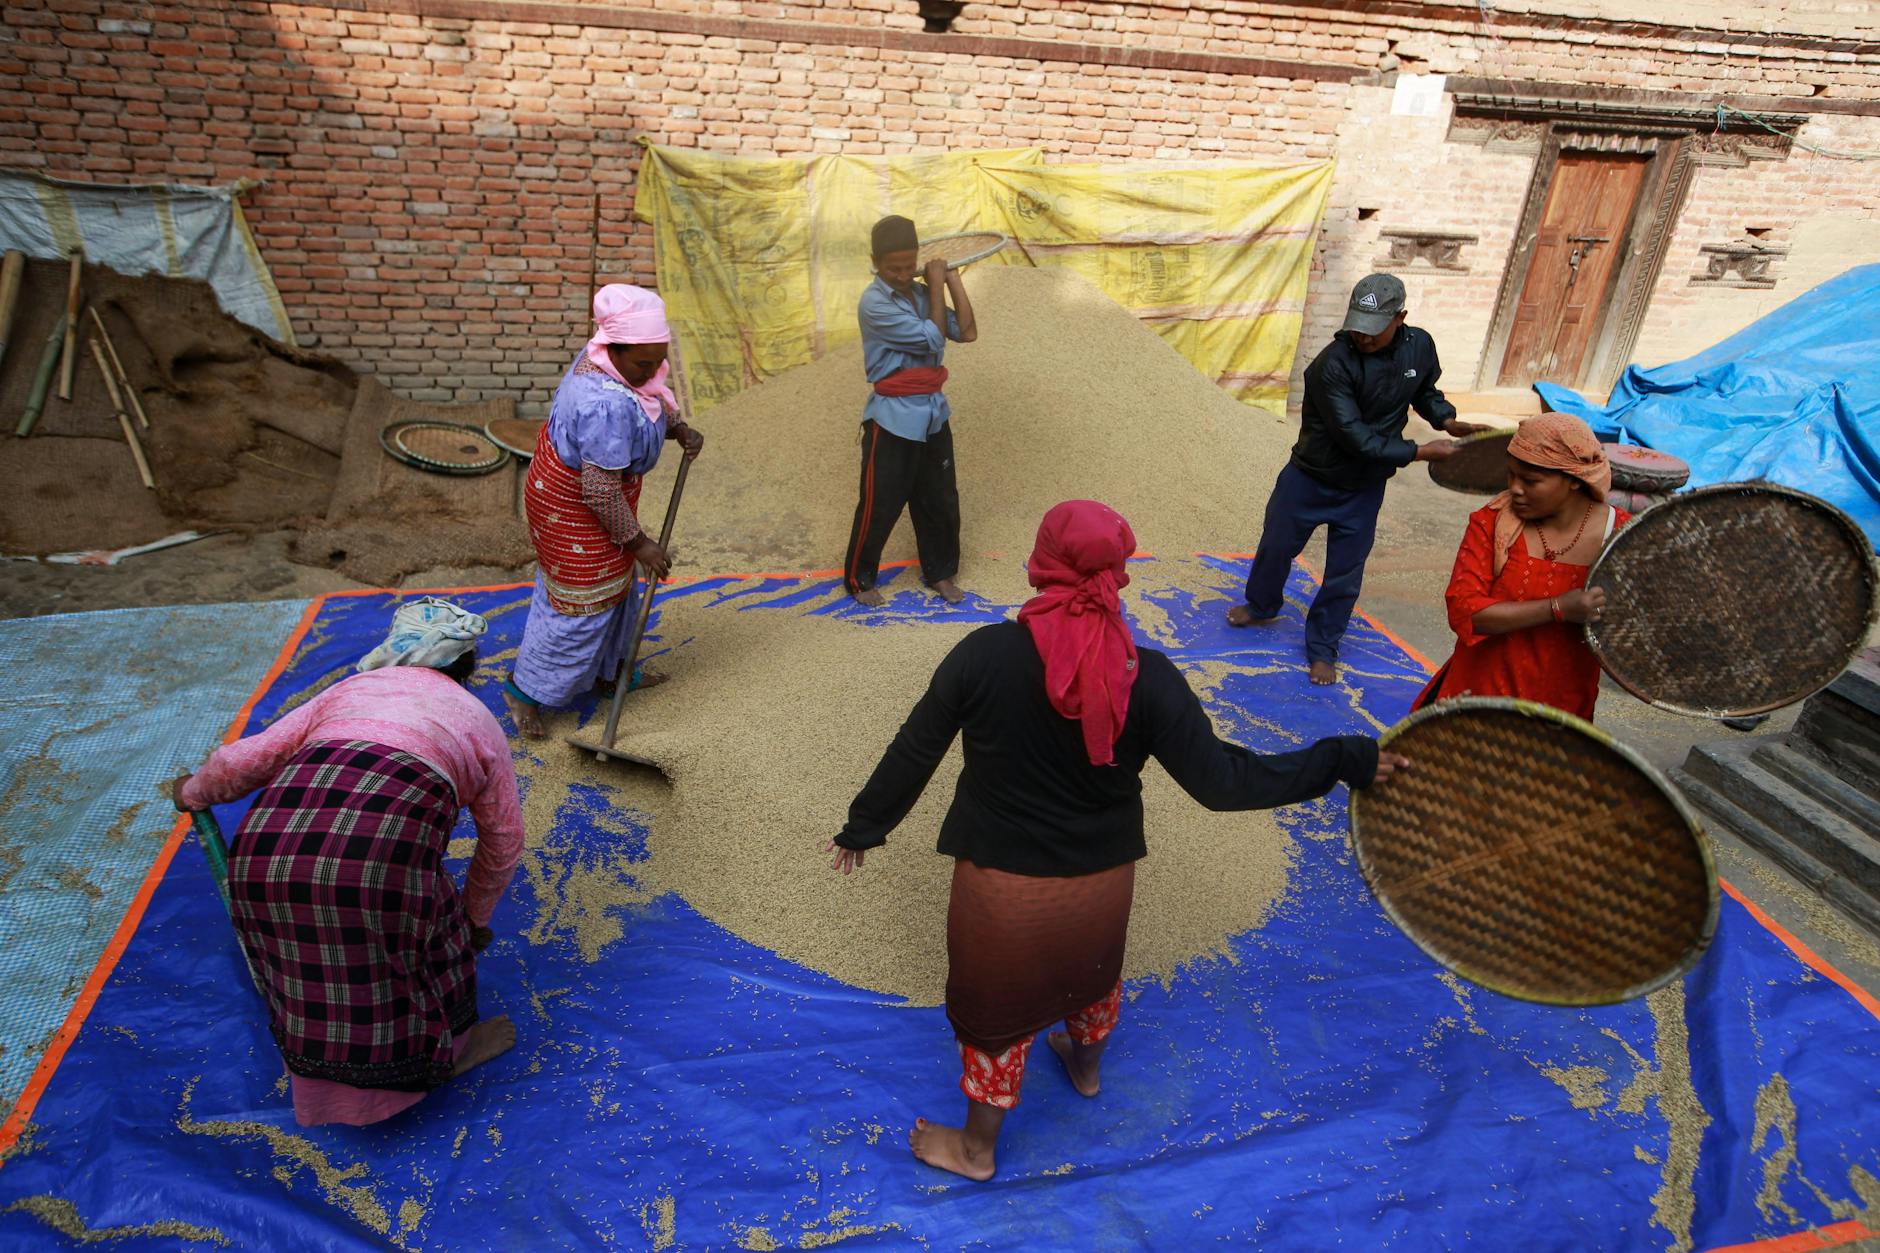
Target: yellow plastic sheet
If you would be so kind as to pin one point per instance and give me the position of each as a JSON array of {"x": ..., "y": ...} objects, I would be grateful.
[{"x": 762, "y": 260}]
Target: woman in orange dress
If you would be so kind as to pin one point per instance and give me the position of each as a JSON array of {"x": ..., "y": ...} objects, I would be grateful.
[{"x": 1518, "y": 596}]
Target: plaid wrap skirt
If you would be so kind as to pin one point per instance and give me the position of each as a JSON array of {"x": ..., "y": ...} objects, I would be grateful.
[{"x": 341, "y": 899}]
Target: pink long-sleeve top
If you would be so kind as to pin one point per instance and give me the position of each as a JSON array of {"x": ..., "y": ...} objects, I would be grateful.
[{"x": 414, "y": 710}]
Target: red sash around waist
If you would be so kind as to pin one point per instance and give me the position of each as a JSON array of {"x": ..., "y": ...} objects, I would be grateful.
[
  {"x": 916, "y": 380},
  {"x": 586, "y": 572}
]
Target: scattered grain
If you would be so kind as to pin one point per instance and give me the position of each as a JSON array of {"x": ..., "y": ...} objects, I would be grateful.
[
  {"x": 357, "y": 1199},
  {"x": 62, "y": 1217},
  {"x": 656, "y": 1220}
]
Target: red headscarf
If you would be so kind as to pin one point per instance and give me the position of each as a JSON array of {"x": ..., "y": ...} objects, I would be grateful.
[{"x": 1076, "y": 619}]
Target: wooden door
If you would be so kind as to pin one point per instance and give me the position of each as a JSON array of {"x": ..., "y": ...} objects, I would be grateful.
[{"x": 1576, "y": 255}]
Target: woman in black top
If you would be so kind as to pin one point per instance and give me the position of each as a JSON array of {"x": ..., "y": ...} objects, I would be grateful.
[{"x": 1060, "y": 711}]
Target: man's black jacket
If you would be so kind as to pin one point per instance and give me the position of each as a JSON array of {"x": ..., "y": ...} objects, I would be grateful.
[{"x": 1356, "y": 405}]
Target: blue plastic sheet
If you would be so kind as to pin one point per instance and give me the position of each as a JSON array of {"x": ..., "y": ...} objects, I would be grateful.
[
  {"x": 98, "y": 709},
  {"x": 1793, "y": 398},
  {"x": 1324, "y": 1087}
]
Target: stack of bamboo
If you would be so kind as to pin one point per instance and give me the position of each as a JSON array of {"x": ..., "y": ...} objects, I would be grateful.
[{"x": 60, "y": 358}]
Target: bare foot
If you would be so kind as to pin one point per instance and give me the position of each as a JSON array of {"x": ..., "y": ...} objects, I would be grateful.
[
  {"x": 1241, "y": 616},
  {"x": 948, "y": 590},
  {"x": 870, "y": 597},
  {"x": 490, "y": 1038},
  {"x": 528, "y": 718},
  {"x": 1323, "y": 673},
  {"x": 647, "y": 679},
  {"x": 946, "y": 1149},
  {"x": 1083, "y": 1077}
]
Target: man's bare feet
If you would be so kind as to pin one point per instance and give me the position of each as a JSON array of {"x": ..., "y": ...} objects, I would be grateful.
[
  {"x": 947, "y": 1148},
  {"x": 869, "y": 597},
  {"x": 1083, "y": 1071},
  {"x": 1323, "y": 673},
  {"x": 948, "y": 590},
  {"x": 646, "y": 679},
  {"x": 528, "y": 718},
  {"x": 1241, "y": 616},
  {"x": 490, "y": 1038}
]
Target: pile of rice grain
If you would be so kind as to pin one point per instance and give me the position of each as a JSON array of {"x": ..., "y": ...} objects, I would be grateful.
[
  {"x": 1065, "y": 395},
  {"x": 769, "y": 724},
  {"x": 772, "y": 720}
]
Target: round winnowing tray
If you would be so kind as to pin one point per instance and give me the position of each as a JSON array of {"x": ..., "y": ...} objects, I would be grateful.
[
  {"x": 443, "y": 447},
  {"x": 516, "y": 435},
  {"x": 1479, "y": 465},
  {"x": 1636, "y": 469},
  {"x": 961, "y": 249},
  {"x": 1734, "y": 600},
  {"x": 1529, "y": 853}
]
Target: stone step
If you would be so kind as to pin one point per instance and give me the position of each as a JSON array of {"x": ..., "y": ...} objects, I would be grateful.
[
  {"x": 1836, "y": 731},
  {"x": 1718, "y": 812},
  {"x": 1859, "y": 684},
  {"x": 1809, "y": 775},
  {"x": 1729, "y": 768}
]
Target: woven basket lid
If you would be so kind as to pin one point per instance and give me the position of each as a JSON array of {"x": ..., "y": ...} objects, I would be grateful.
[
  {"x": 518, "y": 435},
  {"x": 1734, "y": 600},
  {"x": 1479, "y": 465},
  {"x": 1633, "y": 456},
  {"x": 443, "y": 447},
  {"x": 958, "y": 250},
  {"x": 1529, "y": 853}
]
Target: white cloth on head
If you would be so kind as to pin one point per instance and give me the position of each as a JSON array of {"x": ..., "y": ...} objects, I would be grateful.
[{"x": 428, "y": 632}]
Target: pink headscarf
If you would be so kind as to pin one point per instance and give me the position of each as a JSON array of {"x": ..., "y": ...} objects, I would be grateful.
[
  {"x": 625, "y": 314},
  {"x": 1076, "y": 619}
]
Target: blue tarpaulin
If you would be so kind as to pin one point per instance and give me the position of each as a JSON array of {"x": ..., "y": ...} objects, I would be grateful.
[
  {"x": 97, "y": 709},
  {"x": 1320, "y": 1085},
  {"x": 1793, "y": 398}
]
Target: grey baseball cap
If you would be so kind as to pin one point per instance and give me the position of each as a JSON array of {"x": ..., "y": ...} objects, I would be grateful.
[{"x": 1374, "y": 302}]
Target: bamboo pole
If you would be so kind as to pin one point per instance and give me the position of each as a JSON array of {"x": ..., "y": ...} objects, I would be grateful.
[
  {"x": 124, "y": 376},
  {"x": 12, "y": 272},
  {"x": 70, "y": 363},
  {"x": 124, "y": 421},
  {"x": 42, "y": 380}
]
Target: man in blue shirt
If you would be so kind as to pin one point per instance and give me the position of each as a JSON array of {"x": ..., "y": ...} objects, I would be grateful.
[{"x": 907, "y": 445}]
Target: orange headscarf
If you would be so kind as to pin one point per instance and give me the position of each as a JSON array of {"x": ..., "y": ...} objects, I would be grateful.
[{"x": 1553, "y": 441}]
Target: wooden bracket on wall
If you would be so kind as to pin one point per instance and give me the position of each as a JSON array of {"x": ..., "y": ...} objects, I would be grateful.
[
  {"x": 1750, "y": 261},
  {"x": 1441, "y": 249}
]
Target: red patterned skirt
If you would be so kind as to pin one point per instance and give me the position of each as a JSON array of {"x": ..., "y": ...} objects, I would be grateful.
[
  {"x": 585, "y": 571},
  {"x": 341, "y": 899}
]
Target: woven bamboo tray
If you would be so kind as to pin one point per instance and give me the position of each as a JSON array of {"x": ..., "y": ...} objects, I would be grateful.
[
  {"x": 1734, "y": 600},
  {"x": 443, "y": 447},
  {"x": 1528, "y": 852},
  {"x": 1636, "y": 469},
  {"x": 1479, "y": 466},
  {"x": 515, "y": 435},
  {"x": 961, "y": 249}
]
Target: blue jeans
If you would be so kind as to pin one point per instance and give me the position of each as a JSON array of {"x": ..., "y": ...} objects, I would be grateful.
[{"x": 1300, "y": 505}]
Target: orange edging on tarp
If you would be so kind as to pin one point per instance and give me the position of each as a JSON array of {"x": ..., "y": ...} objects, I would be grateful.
[{"x": 1831, "y": 1236}]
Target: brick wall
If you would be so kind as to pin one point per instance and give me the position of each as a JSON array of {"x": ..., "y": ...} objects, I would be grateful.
[
  {"x": 1824, "y": 209},
  {"x": 426, "y": 184}
]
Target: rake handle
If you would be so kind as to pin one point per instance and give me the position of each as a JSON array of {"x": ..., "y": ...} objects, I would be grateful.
[{"x": 625, "y": 678}]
